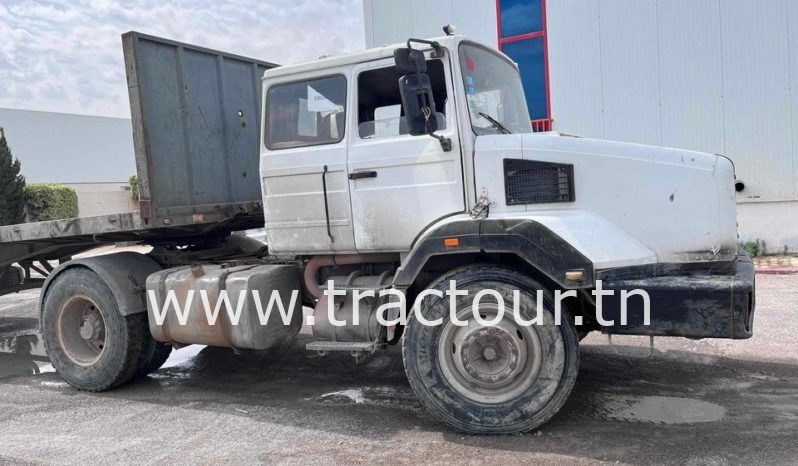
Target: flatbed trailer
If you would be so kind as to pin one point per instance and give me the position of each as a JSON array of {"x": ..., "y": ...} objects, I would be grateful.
[{"x": 195, "y": 114}]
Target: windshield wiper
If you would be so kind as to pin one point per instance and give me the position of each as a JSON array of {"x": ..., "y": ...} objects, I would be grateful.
[{"x": 495, "y": 123}]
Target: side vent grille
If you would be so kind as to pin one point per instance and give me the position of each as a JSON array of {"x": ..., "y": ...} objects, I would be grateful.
[{"x": 531, "y": 182}]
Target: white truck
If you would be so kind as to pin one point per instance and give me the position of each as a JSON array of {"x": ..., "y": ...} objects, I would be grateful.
[{"x": 398, "y": 168}]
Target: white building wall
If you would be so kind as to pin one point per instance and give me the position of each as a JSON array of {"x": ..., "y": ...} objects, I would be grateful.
[
  {"x": 690, "y": 75},
  {"x": 392, "y": 21},
  {"x": 757, "y": 119},
  {"x": 771, "y": 222},
  {"x": 630, "y": 85},
  {"x": 718, "y": 76},
  {"x": 66, "y": 148},
  {"x": 103, "y": 198}
]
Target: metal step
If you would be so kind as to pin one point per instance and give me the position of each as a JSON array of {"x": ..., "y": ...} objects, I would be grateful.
[{"x": 351, "y": 346}]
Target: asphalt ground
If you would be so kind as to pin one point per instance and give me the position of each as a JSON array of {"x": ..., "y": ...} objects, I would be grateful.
[{"x": 682, "y": 402}]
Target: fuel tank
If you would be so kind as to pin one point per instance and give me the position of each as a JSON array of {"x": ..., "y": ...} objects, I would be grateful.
[{"x": 178, "y": 313}]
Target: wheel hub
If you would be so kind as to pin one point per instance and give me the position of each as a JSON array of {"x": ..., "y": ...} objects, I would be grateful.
[
  {"x": 81, "y": 330},
  {"x": 489, "y": 363},
  {"x": 90, "y": 327},
  {"x": 490, "y": 356},
  {"x": 489, "y": 353}
]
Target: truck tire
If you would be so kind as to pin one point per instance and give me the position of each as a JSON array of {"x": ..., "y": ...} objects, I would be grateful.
[
  {"x": 153, "y": 356},
  {"x": 11, "y": 276},
  {"x": 90, "y": 343},
  {"x": 506, "y": 378}
]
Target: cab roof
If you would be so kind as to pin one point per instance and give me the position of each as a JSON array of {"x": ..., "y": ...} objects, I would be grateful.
[{"x": 385, "y": 51}]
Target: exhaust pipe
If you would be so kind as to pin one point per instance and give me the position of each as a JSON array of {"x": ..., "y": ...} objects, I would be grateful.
[{"x": 311, "y": 278}]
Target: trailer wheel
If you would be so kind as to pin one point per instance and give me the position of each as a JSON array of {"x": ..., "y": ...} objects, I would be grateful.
[
  {"x": 153, "y": 356},
  {"x": 502, "y": 378},
  {"x": 12, "y": 276},
  {"x": 90, "y": 343}
]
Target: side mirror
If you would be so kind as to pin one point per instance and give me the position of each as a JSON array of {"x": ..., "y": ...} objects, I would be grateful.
[
  {"x": 416, "y": 91},
  {"x": 418, "y": 104}
]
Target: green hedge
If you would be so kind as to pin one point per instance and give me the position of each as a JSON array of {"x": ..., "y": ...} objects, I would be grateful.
[
  {"x": 50, "y": 202},
  {"x": 134, "y": 187}
]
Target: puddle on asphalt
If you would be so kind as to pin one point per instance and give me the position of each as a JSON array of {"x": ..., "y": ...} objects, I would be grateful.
[
  {"x": 354, "y": 394},
  {"x": 662, "y": 409},
  {"x": 384, "y": 396}
]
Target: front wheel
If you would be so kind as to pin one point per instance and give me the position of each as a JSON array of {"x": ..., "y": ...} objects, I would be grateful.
[{"x": 491, "y": 379}]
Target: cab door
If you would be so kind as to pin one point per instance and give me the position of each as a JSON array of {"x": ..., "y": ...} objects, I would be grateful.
[
  {"x": 399, "y": 184},
  {"x": 303, "y": 167}
]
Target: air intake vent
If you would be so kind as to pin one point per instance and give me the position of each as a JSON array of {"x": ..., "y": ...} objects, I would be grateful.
[{"x": 531, "y": 182}]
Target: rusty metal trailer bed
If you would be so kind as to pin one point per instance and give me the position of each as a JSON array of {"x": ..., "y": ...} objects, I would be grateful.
[{"x": 196, "y": 129}]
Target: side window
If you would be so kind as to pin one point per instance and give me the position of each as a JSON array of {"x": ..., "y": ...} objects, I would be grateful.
[
  {"x": 379, "y": 104},
  {"x": 306, "y": 113}
]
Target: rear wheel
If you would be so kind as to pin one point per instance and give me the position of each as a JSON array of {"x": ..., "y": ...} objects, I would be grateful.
[
  {"x": 499, "y": 378},
  {"x": 91, "y": 345},
  {"x": 153, "y": 356}
]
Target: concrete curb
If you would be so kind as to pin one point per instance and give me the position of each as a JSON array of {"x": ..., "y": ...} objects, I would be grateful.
[{"x": 776, "y": 271}]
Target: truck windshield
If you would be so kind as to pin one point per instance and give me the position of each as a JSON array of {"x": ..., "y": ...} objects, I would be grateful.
[{"x": 494, "y": 93}]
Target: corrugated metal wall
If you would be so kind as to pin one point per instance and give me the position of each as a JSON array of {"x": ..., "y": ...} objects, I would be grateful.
[
  {"x": 717, "y": 76},
  {"x": 390, "y": 21}
]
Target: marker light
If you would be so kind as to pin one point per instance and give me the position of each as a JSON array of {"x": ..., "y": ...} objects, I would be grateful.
[{"x": 574, "y": 275}]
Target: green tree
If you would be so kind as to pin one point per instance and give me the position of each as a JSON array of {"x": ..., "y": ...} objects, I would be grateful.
[{"x": 12, "y": 186}]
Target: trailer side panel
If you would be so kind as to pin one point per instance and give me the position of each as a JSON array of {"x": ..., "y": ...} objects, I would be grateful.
[{"x": 196, "y": 125}]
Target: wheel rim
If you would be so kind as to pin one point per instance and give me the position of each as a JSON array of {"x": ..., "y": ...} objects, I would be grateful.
[
  {"x": 489, "y": 364},
  {"x": 81, "y": 330}
]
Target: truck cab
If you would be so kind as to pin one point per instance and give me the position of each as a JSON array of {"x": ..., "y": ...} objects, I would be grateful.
[
  {"x": 425, "y": 151},
  {"x": 405, "y": 199},
  {"x": 343, "y": 172}
]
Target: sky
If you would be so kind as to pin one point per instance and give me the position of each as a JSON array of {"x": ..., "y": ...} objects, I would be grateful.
[{"x": 66, "y": 55}]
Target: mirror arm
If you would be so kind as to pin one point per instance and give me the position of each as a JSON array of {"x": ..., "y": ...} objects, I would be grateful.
[
  {"x": 446, "y": 143},
  {"x": 437, "y": 48}
]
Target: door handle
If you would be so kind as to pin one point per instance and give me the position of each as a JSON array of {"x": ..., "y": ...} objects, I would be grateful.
[{"x": 364, "y": 174}]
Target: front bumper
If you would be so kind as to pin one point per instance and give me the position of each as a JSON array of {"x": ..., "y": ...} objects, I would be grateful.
[{"x": 691, "y": 305}]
